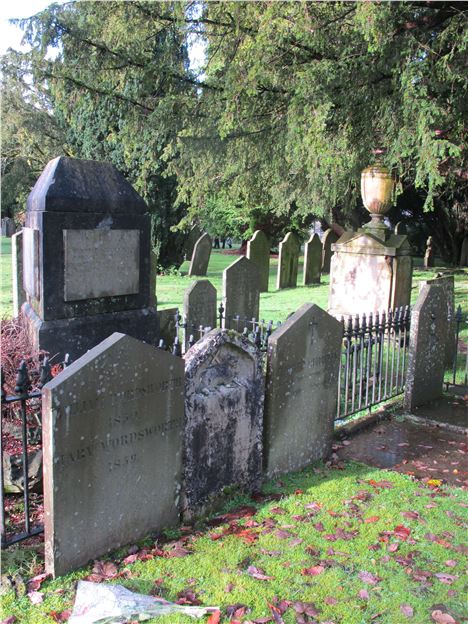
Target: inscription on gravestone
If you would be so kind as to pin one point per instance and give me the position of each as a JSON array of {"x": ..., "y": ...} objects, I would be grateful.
[
  {"x": 112, "y": 450},
  {"x": 301, "y": 389},
  {"x": 101, "y": 263}
]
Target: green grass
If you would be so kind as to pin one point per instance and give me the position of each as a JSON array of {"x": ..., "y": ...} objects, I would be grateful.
[
  {"x": 217, "y": 565},
  {"x": 6, "y": 293}
]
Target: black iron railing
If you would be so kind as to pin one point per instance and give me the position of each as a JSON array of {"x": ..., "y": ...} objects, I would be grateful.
[{"x": 458, "y": 376}]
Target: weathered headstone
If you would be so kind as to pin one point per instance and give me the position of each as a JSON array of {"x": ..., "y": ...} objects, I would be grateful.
[
  {"x": 288, "y": 261},
  {"x": 167, "y": 326},
  {"x": 86, "y": 259},
  {"x": 426, "y": 366},
  {"x": 199, "y": 308},
  {"x": 464, "y": 253},
  {"x": 258, "y": 250},
  {"x": 200, "y": 256},
  {"x": 447, "y": 283},
  {"x": 312, "y": 260},
  {"x": 224, "y": 392},
  {"x": 241, "y": 294},
  {"x": 329, "y": 237},
  {"x": 192, "y": 238},
  {"x": 429, "y": 255},
  {"x": 113, "y": 424},
  {"x": 301, "y": 389},
  {"x": 19, "y": 294},
  {"x": 8, "y": 227}
]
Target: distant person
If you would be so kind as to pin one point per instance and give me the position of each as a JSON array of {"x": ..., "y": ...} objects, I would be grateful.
[
  {"x": 229, "y": 242},
  {"x": 216, "y": 243}
]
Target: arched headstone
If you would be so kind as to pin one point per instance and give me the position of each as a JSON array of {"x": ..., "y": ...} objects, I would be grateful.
[
  {"x": 288, "y": 261},
  {"x": 241, "y": 294},
  {"x": 312, "y": 260},
  {"x": 258, "y": 250},
  {"x": 329, "y": 237},
  {"x": 200, "y": 256}
]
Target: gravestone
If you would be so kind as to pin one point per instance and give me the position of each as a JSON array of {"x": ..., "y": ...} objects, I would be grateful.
[
  {"x": 312, "y": 260},
  {"x": 288, "y": 261},
  {"x": 426, "y": 355},
  {"x": 112, "y": 440},
  {"x": 223, "y": 417},
  {"x": 199, "y": 308},
  {"x": 167, "y": 326},
  {"x": 200, "y": 256},
  {"x": 400, "y": 228},
  {"x": 429, "y": 255},
  {"x": 192, "y": 238},
  {"x": 448, "y": 284},
  {"x": 464, "y": 253},
  {"x": 86, "y": 259},
  {"x": 329, "y": 237},
  {"x": 258, "y": 251},
  {"x": 301, "y": 389},
  {"x": 8, "y": 227},
  {"x": 241, "y": 293},
  {"x": 19, "y": 294}
]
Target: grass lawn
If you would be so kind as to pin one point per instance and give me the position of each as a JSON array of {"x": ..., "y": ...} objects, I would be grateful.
[
  {"x": 360, "y": 544},
  {"x": 275, "y": 305}
]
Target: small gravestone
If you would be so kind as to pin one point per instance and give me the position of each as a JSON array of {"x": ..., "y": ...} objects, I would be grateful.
[
  {"x": 448, "y": 284},
  {"x": 463, "y": 262},
  {"x": 223, "y": 417},
  {"x": 192, "y": 238},
  {"x": 329, "y": 237},
  {"x": 19, "y": 294},
  {"x": 241, "y": 293},
  {"x": 429, "y": 255},
  {"x": 258, "y": 250},
  {"x": 426, "y": 355},
  {"x": 200, "y": 256},
  {"x": 112, "y": 441},
  {"x": 301, "y": 389},
  {"x": 199, "y": 308},
  {"x": 8, "y": 227},
  {"x": 167, "y": 326},
  {"x": 312, "y": 260},
  {"x": 86, "y": 259},
  {"x": 288, "y": 261}
]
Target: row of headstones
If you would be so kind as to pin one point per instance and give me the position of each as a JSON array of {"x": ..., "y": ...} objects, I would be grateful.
[
  {"x": 135, "y": 437},
  {"x": 317, "y": 257}
]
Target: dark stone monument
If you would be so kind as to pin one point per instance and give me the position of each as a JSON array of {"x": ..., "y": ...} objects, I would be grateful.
[
  {"x": 426, "y": 355},
  {"x": 200, "y": 256},
  {"x": 329, "y": 237},
  {"x": 199, "y": 308},
  {"x": 448, "y": 284},
  {"x": 113, "y": 423},
  {"x": 192, "y": 238},
  {"x": 288, "y": 261},
  {"x": 429, "y": 255},
  {"x": 223, "y": 417},
  {"x": 8, "y": 227},
  {"x": 258, "y": 250},
  {"x": 312, "y": 260},
  {"x": 167, "y": 326},
  {"x": 86, "y": 259},
  {"x": 241, "y": 293},
  {"x": 301, "y": 389}
]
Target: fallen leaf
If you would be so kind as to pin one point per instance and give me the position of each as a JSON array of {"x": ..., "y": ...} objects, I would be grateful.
[
  {"x": 63, "y": 616},
  {"x": 442, "y": 618},
  {"x": 238, "y": 608},
  {"x": 407, "y": 610},
  {"x": 451, "y": 563},
  {"x": 36, "y": 597},
  {"x": 283, "y": 534},
  {"x": 371, "y": 519},
  {"x": 401, "y": 532},
  {"x": 319, "y": 526},
  {"x": 312, "y": 551},
  {"x": 306, "y": 608},
  {"x": 313, "y": 571},
  {"x": 35, "y": 583},
  {"x": 188, "y": 597},
  {"x": 329, "y": 600},
  {"x": 275, "y": 612},
  {"x": 258, "y": 573},
  {"x": 229, "y": 587},
  {"x": 363, "y": 594},
  {"x": 296, "y": 541},
  {"x": 393, "y": 547},
  {"x": 367, "y": 577},
  {"x": 11, "y": 619},
  {"x": 214, "y": 618},
  {"x": 102, "y": 570},
  {"x": 446, "y": 578}
]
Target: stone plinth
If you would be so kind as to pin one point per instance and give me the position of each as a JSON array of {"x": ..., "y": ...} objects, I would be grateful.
[
  {"x": 369, "y": 274},
  {"x": 86, "y": 259}
]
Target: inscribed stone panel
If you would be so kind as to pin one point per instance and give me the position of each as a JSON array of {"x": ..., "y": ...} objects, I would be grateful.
[
  {"x": 241, "y": 294},
  {"x": 301, "y": 389},
  {"x": 101, "y": 263},
  {"x": 112, "y": 450}
]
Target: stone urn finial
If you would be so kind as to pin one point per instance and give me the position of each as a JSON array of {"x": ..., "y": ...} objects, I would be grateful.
[{"x": 377, "y": 191}]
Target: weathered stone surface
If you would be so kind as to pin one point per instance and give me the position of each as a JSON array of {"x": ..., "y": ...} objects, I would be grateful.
[
  {"x": 82, "y": 271},
  {"x": 8, "y": 227},
  {"x": 258, "y": 251},
  {"x": 19, "y": 294},
  {"x": 167, "y": 325},
  {"x": 448, "y": 284},
  {"x": 192, "y": 238},
  {"x": 329, "y": 237},
  {"x": 101, "y": 263},
  {"x": 200, "y": 256},
  {"x": 241, "y": 294},
  {"x": 13, "y": 478},
  {"x": 425, "y": 372},
  {"x": 223, "y": 415},
  {"x": 429, "y": 255},
  {"x": 288, "y": 261},
  {"x": 400, "y": 228},
  {"x": 464, "y": 253},
  {"x": 369, "y": 274},
  {"x": 112, "y": 443},
  {"x": 312, "y": 260},
  {"x": 301, "y": 389},
  {"x": 199, "y": 308}
]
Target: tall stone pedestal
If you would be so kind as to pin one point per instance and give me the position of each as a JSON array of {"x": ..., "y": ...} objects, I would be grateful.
[
  {"x": 370, "y": 271},
  {"x": 86, "y": 259}
]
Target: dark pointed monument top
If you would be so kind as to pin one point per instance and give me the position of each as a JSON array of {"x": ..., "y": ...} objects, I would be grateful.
[{"x": 73, "y": 185}]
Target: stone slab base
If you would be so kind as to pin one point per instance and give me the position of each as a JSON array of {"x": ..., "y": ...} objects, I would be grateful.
[{"x": 75, "y": 336}]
